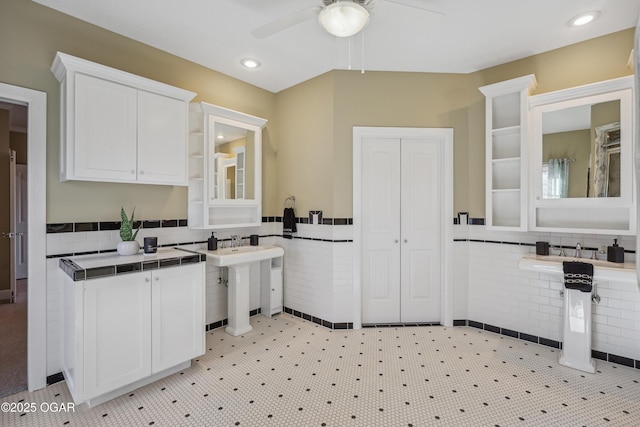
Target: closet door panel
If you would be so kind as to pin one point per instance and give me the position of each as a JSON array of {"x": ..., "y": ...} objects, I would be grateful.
[
  {"x": 381, "y": 230},
  {"x": 420, "y": 234}
]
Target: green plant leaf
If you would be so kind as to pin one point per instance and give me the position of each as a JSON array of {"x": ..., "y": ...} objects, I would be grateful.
[{"x": 126, "y": 228}]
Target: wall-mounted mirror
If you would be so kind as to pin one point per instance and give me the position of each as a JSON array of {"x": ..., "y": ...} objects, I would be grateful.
[
  {"x": 228, "y": 145},
  {"x": 581, "y": 153},
  {"x": 232, "y": 166}
]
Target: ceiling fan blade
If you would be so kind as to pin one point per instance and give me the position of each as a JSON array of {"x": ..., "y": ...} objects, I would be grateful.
[
  {"x": 414, "y": 6},
  {"x": 285, "y": 22}
]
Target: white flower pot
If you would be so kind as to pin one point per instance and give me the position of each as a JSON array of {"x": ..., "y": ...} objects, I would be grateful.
[{"x": 128, "y": 248}]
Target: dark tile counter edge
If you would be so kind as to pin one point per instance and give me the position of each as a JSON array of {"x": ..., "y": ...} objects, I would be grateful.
[{"x": 77, "y": 273}]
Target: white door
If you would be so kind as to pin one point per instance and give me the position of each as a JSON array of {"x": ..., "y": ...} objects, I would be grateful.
[
  {"x": 381, "y": 230},
  {"x": 20, "y": 221},
  {"x": 401, "y": 229},
  {"x": 177, "y": 301},
  {"x": 420, "y": 231}
]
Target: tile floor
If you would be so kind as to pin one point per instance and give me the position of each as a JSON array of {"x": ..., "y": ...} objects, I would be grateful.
[{"x": 291, "y": 372}]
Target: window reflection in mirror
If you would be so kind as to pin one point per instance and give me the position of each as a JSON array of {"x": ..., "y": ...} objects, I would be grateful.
[
  {"x": 233, "y": 171},
  {"x": 581, "y": 151}
]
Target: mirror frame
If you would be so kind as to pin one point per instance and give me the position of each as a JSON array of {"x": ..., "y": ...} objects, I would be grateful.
[
  {"x": 614, "y": 215},
  {"x": 239, "y": 208}
]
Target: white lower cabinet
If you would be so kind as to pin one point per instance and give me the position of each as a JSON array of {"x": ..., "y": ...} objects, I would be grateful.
[{"x": 125, "y": 331}]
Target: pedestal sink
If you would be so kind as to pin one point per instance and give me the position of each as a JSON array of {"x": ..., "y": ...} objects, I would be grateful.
[{"x": 238, "y": 260}]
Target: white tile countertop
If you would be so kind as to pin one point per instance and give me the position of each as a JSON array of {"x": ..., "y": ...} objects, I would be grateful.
[{"x": 92, "y": 266}]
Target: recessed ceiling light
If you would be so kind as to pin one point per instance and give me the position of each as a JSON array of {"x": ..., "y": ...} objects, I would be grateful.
[
  {"x": 250, "y": 63},
  {"x": 220, "y": 136},
  {"x": 584, "y": 18}
]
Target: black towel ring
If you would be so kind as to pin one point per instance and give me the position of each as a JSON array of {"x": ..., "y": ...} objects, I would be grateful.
[{"x": 292, "y": 202}]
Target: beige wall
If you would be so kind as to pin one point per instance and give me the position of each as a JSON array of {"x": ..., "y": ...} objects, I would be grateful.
[
  {"x": 307, "y": 144},
  {"x": 417, "y": 100},
  {"x": 305, "y": 159},
  {"x": 32, "y": 34}
]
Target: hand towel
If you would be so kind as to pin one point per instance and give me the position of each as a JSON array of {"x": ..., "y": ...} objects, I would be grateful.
[
  {"x": 578, "y": 275},
  {"x": 288, "y": 223}
]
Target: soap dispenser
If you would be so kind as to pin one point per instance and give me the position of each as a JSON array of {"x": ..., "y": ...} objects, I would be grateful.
[
  {"x": 615, "y": 253},
  {"x": 212, "y": 243}
]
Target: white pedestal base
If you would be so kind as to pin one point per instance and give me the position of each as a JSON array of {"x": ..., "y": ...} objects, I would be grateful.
[
  {"x": 238, "y": 300},
  {"x": 576, "y": 345}
]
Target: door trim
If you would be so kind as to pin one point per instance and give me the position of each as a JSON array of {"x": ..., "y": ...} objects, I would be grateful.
[
  {"x": 446, "y": 182},
  {"x": 37, "y": 238}
]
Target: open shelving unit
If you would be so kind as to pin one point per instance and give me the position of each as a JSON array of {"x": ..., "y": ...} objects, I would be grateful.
[{"x": 507, "y": 122}]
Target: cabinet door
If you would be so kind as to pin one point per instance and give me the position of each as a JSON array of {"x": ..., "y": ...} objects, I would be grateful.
[
  {"x": 162, "y": 139},
  {"x": 177, "y": 315},
  {"x": 117, "y": 325},
  {"x": 276, "y": 290},
  {"x": 105, "y": 130}
]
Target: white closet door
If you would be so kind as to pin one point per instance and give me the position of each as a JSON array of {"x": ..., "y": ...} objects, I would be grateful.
[
  {"x": 381, "y": 230},
  {"x": 421, "y": 230}
]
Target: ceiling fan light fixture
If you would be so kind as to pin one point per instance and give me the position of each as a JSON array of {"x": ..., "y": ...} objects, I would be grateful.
[{"x": 343, "y": 18}]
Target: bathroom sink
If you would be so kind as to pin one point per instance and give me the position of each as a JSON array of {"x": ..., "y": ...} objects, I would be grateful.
[
  {"x": 595, "y": 262},
  {"x": 603, "y": 270},
  {"x": 243, "y": 255}
]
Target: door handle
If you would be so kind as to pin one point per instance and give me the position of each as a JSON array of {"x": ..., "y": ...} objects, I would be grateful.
[{"x": 8, "y": 235}]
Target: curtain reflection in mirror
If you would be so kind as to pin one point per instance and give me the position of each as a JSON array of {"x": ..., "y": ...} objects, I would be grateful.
[
  {"x": 555, "y": 178},
  {"x": 607, "y": 161}
]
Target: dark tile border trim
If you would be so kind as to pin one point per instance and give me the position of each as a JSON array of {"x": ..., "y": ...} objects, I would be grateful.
[
  {"x": 318, "y": 321},
  {"x": 55, "y": 378},
  {"x": 225, "y": 322},
  {"x": 305, "y": 220},
  {"x": 76, "y": 227},
  {"x": 612, "y": 358}
]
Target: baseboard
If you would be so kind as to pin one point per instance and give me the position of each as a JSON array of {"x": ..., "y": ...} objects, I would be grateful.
[{"x": 5, "y": 294}]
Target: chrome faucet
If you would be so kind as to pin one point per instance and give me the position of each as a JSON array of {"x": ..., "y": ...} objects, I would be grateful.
[
  {"x": 578, "y": 253},
  {"x": 235, "y": 241}
]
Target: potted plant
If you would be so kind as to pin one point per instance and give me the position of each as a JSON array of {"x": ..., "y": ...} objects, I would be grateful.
[{"x": 129, "y": 244}]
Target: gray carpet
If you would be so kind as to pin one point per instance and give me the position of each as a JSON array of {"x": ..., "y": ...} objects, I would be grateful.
[{"x": 13, "y": 343}]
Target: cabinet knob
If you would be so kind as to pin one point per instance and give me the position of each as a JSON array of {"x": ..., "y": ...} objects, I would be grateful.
[
  {"x": 141, "y": 172},
  {"x": 395, "y": 241},
  {"x": 132, "y": 171},
  {"x": 156, "y": 278},
  {"x": 146, "y": 279},
  {"x": 405, "y": 240}
]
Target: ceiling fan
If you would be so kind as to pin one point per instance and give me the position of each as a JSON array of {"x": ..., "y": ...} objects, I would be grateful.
[{"x": 341, "y": 18}]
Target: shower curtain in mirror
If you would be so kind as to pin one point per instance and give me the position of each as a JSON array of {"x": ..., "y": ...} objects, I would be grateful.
[
  {"x": 600, "y": 172},
  {"x": 557, "y": 179}
]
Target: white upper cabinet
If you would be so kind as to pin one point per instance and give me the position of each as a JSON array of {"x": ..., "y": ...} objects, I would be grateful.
[
  {"x": 506, "y": 152},
  {"x": 119, "y": 127}
]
